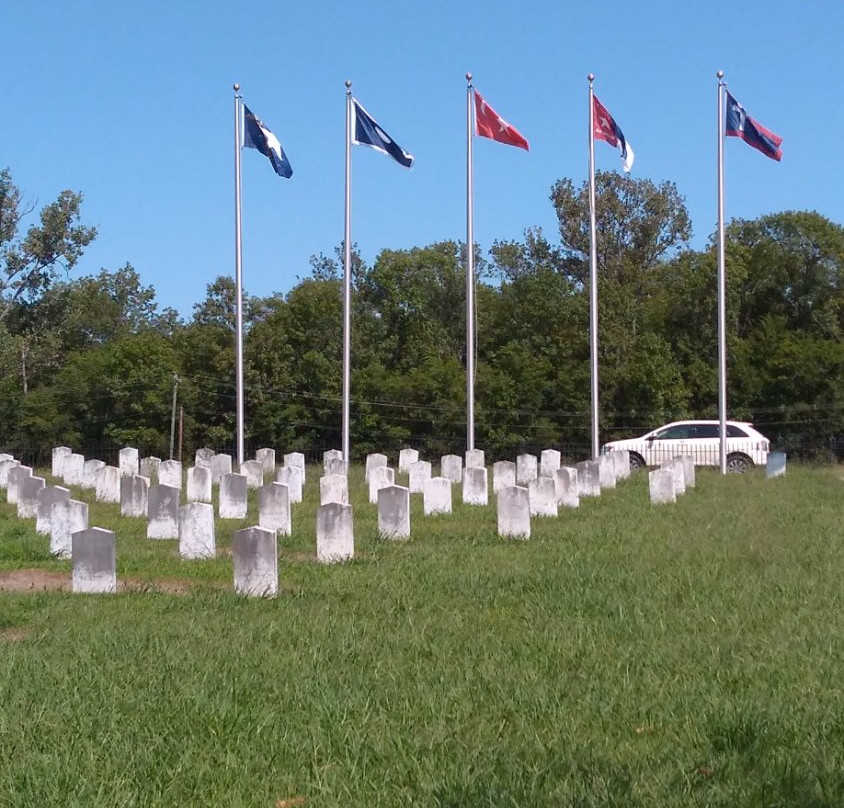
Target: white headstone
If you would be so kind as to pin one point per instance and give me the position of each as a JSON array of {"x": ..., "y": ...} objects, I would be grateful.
[
  {"x": 266, "y": 457},
  {"x": 475, "y": 489},
  {"x": 72, "y": 469},
  {"x": 170, "y": 474},
  {"x": 293, "y": 477},
  {"x": 199, "y": 484},
  {"x": 417, "y": 474},
  {"x": 622, "y": 463},
  {"x": 335, "y": 533},
  {"x": 94, "y": 561},
  {"x": 503, "y": 475},
  {"x": 5, "y": 467},
  {"x": 406, "y": 457},
  {"x": 606, "y": 471},
  {"x": 542, "y": 496},
  {"x": 108, "y": 484},
  {"x": 17, "y": 474},
  {"x": 128, "y": 461},
  {"x": 255, "y": 555},
  {"x": 221, "y": 464},
  {"x": 295, "y": 459},
  {"x": 274, "y": 508},
  {"x": 374, "y": 461},
  {"x": 328, "y": 456},
  {"x": 67, "y": 516},
  {"x": 202, "y": 457},
  {"x": 46, "y": 497},
  {"x": 233, "y": 502},
  {"x": 134, "y": 496},
  {"x": 661, "y": 486},
  {"x": 59, "y": 454},
  {"x": 588, "y": 479},
  {"x": 568, "y": 494},
  {"x": 148, "y": 467},
  {"x": 688, "y": 464},
  {"x": 334, "y": 488},
  {"x": 380, "y": 477},
  {"x": 394, "y": 512},
  {"x": 526, "y": 469},
  {"x": 436, "y": 496},
  {"x": 163, "y": 511},
  {"x": 775, "y": 466},
  {"x": 254, "y": 471},
  {"x": 514, "y": 512},
  {"x": 676, "y": 468},
  {"x": 475, "y": 459},
  {"x": 549, "y": 462},
  {"x": 336, "y": 465},
  {"x": 451, "y": 467},
  {"x": 89, "y": 473},
  {"x": 196, "y": 531},
  {"x": 28, "y": 497}
]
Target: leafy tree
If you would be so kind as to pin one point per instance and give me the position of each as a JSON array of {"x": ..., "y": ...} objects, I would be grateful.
[{"x": 30, "y": 263}]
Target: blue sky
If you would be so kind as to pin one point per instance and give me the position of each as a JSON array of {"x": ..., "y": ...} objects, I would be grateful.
[{"x": 131, "y": 103}]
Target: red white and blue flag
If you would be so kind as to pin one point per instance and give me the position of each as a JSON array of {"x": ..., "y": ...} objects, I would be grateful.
[
  {"x": 605, "y": 128},
  {"x": 740, "y": 124}
]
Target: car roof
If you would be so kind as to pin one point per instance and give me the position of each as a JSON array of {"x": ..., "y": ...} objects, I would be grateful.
[{"x": 704, "y": 421}]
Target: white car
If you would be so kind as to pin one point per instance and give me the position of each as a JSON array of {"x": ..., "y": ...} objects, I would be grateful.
[{"x": 746, "y": 447}]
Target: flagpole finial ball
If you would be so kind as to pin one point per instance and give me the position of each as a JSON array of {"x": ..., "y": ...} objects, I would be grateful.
[
  {"x": 235, "y": 86},
  {"x": 468, "y": 77},
  {"x": 591, "y": 77},
  {"x": 720, "y": 74},
  {"x": 348, "y": 84}
]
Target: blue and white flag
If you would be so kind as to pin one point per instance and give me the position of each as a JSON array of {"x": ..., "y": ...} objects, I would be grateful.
[
  {"x": 366, "y": 132},
  {"x": 257, "y": 136}
]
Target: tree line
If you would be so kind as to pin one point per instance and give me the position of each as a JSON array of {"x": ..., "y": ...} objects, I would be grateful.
[{"x": 89, "y": 361}]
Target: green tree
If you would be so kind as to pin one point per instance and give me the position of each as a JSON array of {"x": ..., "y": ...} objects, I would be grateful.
[{"x": 30, "y": 263}]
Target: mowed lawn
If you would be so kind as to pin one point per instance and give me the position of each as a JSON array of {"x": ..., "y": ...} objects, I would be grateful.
[{"x": 626, "y": 655}]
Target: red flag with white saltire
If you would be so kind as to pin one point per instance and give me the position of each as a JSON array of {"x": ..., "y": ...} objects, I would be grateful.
[{"x": 488, "y": 123}]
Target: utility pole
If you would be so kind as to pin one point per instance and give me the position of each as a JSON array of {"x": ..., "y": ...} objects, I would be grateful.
[
  {"x": 181, "y": 430},
  {"x": 173, "y": 414}
]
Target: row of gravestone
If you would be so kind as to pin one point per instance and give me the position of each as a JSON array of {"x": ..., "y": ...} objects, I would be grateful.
[
  {"x": 92, "y": 550},
  {"x": 541, "y": 496}
]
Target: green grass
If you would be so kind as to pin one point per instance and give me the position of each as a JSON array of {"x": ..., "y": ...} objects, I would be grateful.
[{"x": 686, "y": 655}]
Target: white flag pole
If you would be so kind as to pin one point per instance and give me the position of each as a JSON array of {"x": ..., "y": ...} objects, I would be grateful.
[
  {"x": 238, "y": 271},
  {"x": 470, "y": 274},
  {"x": 722, "y": 286},
  {"x": 593, "y": 275},
  {"x": 347, "y": 276}
]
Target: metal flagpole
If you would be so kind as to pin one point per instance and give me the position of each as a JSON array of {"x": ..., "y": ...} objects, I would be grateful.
[
  {"x": 347, "y": 276},
  {"x": 238, "y": 272},
  {"x": 593, "y": 274},
  {"x": 722, "y": 286},
  {"x": 470, "y": 275}
]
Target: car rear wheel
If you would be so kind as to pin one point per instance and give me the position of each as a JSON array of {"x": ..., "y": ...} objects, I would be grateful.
[
  {"x": 738, "y": 463},
  {"x": 636, "y": 461}
]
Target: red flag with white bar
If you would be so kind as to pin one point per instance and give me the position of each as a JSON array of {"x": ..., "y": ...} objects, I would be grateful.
[{"x": 488, "y": 123}]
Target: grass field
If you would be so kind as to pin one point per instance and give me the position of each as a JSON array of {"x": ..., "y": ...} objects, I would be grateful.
[{"x": 630, "y": 656}]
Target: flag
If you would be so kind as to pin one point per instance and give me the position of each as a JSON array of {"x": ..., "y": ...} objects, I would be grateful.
[
  {"x": 488, "y": 123},
  {"x": 605, "y": 128},
  {"x": 366, "y": 132},
  {"x": 257, "y": 136},
  {"x": 740, "y": 124}
]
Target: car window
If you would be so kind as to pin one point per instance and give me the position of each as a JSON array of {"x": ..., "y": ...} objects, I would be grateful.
[
  {"x": 706, "y": 431},
  {"x": 735, "y": 432},
  {"x": 676, "y": 432}
]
